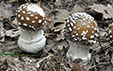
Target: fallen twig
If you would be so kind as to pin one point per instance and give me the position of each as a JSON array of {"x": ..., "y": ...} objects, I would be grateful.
[{"x": 38, "y": 63}]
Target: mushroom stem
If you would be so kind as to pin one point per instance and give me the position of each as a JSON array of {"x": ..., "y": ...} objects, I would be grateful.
[
  {"x": 78, "y": 51},
  {"x": 31, "y": 41}
]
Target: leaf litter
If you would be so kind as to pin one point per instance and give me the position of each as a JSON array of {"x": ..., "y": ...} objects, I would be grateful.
[{"x": 53, "y": 56}]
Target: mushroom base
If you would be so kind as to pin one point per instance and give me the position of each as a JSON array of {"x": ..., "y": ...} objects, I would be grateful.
[
  {"x": 31, "y": 41},
  {"x": 78, "y": 51}
]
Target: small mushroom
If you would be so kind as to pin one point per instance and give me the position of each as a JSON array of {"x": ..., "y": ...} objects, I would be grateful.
[
  {"x": 109, "y": 34},
  {"x": 80, "y": 29},
  {"x": 31, "y": 19}
]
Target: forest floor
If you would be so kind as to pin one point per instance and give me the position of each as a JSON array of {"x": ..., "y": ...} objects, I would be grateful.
[{"x": 53, "y": 56}]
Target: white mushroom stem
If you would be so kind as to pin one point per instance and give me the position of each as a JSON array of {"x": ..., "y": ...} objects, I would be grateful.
[
  {"x": 78, "y": 51},
  {"x": 31, "y": 41}
]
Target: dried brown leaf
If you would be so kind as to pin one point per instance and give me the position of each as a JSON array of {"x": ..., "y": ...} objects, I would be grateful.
[
  {"x": 107, "y": 11},
  {"x": 2, "y": 59},
  {"x": 48, "y": 25},
  {"x": 13, "y": 33},
  {"x": 76, "y": 66},
  {"x": 2, "y": 32},
  {"x": 102, "y": 32},
  {"x": 53, "y": 46},
  {"x": 97, "y": 59},
  {"x": 58, "y": 25},
  {"x": 6, "y": 10},
  {"x": 77, "y": 8},
  {"x": 60, "y": 37},
  {"x": 95, "y": 47},
  {"x": 58, "y": 2},
  {"x": 61, "y": 16},
  {"x": 46, "y": 10},
  {"x": 48, "y": 57}
]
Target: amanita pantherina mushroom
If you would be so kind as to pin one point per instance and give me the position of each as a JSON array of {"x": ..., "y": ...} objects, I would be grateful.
[
  {"x": 80, "y": 29},
  {"x": 109, "y": 37},
  {"x": 109, "y": 34},
  {"x": 31, "y": 19}
]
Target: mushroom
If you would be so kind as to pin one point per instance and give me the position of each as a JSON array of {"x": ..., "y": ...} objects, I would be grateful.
[
  {"x": 109, "y": 34},
  {"x": 80, "y": 30},
  {"x": 31, "y": 19},
  {"x": 109, "y": 37}
]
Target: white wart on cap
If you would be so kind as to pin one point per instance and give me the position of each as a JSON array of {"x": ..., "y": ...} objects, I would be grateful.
[
  {"x": 81, "y": 27},
  {"x": 109, "y": 34},
  {"x": 31, "y": 16}
]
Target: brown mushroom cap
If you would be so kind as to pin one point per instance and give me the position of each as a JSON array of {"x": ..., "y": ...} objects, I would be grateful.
[
  {"x": 109, "y": 34},
  {"x": 81, "y": 27},
  {"x": 29, "y": 19}
]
